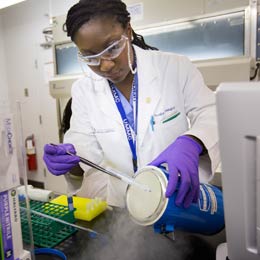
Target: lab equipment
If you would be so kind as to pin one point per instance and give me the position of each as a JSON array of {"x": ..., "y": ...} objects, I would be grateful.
[
  {"x": 116, "y": 174},
  {"x": 70, "y": 193},
  {"x": 92, "y": 232},
  {"x": 238, "y": 109},
  {"x": 35, "y": 193},
  {"x": 205, "y": 217},
  {"x": 70, "y": 203},
  {"x": 47, "y": 232},
  {"x": 51, "y": 223},
  {"x": 182, "y": 157},
  {"x": 86, "y": 209}
]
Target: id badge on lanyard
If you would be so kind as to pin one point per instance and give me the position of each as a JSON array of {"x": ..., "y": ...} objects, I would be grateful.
[{"x": 131, "y": 133}]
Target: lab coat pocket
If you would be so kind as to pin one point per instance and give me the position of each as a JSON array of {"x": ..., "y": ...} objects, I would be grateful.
[
  {"x": 168, "y": 129},
  {"x": 106, "y": 137},
  {"x": 114, "y": 145}
]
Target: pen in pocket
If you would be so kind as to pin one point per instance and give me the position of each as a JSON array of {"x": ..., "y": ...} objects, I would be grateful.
[
  {"x": 171, "y": 118},
  {"x": 152, "y": 123}
]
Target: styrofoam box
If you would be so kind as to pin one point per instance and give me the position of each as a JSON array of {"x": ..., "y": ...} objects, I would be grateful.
[
  {"x": 9, "y": 172},
  {"x": 11, "y": 243}
]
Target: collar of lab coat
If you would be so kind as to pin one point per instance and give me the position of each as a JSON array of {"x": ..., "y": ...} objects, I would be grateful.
[{"x": 148, "y": 93}]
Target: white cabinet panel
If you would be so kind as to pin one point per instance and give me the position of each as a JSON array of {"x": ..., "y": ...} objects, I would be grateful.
[
  {"x": 165, "y": 10},
  {"x": 212, "y": 6}
]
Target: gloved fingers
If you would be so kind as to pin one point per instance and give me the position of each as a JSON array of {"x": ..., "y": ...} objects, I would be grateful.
[
  {"x": 184, "y": 188},
  {"x": 196, "y": 185},
  {"x": 196, "y": 195},
  {"x": 157, "y": 161},
  {"x": 69, "y": 148},
  {"x": 50, "y": 149},
  {"x": 59, "y": 149},
  {"x": 59, "y": 168},
  {"x": 66, "y": 159},
  {"x": 61, "y": 161},
  {"x": 194, "y": 189},
  {"x": 172, "y": 182},
  {"x": 190, "y": 197}
]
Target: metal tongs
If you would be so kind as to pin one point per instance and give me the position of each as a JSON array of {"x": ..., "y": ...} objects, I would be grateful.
[
  {"x": 94, "y": 165},
  {"x": 120, "y": 176}
]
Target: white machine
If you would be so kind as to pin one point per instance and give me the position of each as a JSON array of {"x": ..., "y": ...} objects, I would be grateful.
[{"x": 238, "y": 107}]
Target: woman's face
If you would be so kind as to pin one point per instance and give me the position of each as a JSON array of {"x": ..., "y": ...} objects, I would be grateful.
[{"x": 97, "y": 35}]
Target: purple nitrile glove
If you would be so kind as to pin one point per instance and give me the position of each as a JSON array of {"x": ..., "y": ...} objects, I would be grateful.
[
  {"x": 57, "y": 160},
  {"x": 182, "y": 157}
]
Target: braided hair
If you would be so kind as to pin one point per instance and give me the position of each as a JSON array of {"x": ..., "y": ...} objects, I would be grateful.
[{"x": 86, "y": 10}]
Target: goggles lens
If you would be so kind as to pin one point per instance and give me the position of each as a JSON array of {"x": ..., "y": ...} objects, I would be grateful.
[{"x": 110, "y": 53}]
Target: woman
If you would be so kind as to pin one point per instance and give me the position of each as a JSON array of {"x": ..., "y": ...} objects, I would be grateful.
[{"x": 135, "y": 106}]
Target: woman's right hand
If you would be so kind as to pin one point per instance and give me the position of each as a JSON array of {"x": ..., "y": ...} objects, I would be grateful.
[{"x": 57, "y": 160}]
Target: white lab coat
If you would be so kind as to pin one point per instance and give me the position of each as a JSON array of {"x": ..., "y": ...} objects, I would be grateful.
[{"x": 168, "y": 84}]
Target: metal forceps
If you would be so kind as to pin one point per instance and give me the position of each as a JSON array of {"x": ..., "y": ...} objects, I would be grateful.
[{"x": 120, "y": 176}]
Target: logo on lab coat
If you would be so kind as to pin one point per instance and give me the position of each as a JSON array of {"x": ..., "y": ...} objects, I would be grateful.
[{"x": 167, "y": 110}]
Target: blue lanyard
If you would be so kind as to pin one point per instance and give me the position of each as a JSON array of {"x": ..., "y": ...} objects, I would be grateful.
[{"x": 130, "y": 134}]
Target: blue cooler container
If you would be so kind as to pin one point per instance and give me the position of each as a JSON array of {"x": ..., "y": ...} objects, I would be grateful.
[{"x": 153, "y": 208}]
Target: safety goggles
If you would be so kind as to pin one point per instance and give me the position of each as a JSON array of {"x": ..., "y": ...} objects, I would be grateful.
[{"x": 110, "y": 53}]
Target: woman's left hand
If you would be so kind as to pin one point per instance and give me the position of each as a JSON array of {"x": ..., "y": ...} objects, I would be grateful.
[{"x": 182, "y": 157}]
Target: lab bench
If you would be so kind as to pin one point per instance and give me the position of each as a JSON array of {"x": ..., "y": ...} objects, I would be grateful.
[{"x": 120, "y": 238}]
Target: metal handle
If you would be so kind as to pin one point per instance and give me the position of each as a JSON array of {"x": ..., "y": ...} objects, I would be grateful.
[
  {"x": 120, "y": 176},
  {"x": 251, "y": 193},
  {"x": 96, "y": 166}
]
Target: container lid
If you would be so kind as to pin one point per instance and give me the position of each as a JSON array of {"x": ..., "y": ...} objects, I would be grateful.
[{"x": 144, "y": 207}]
